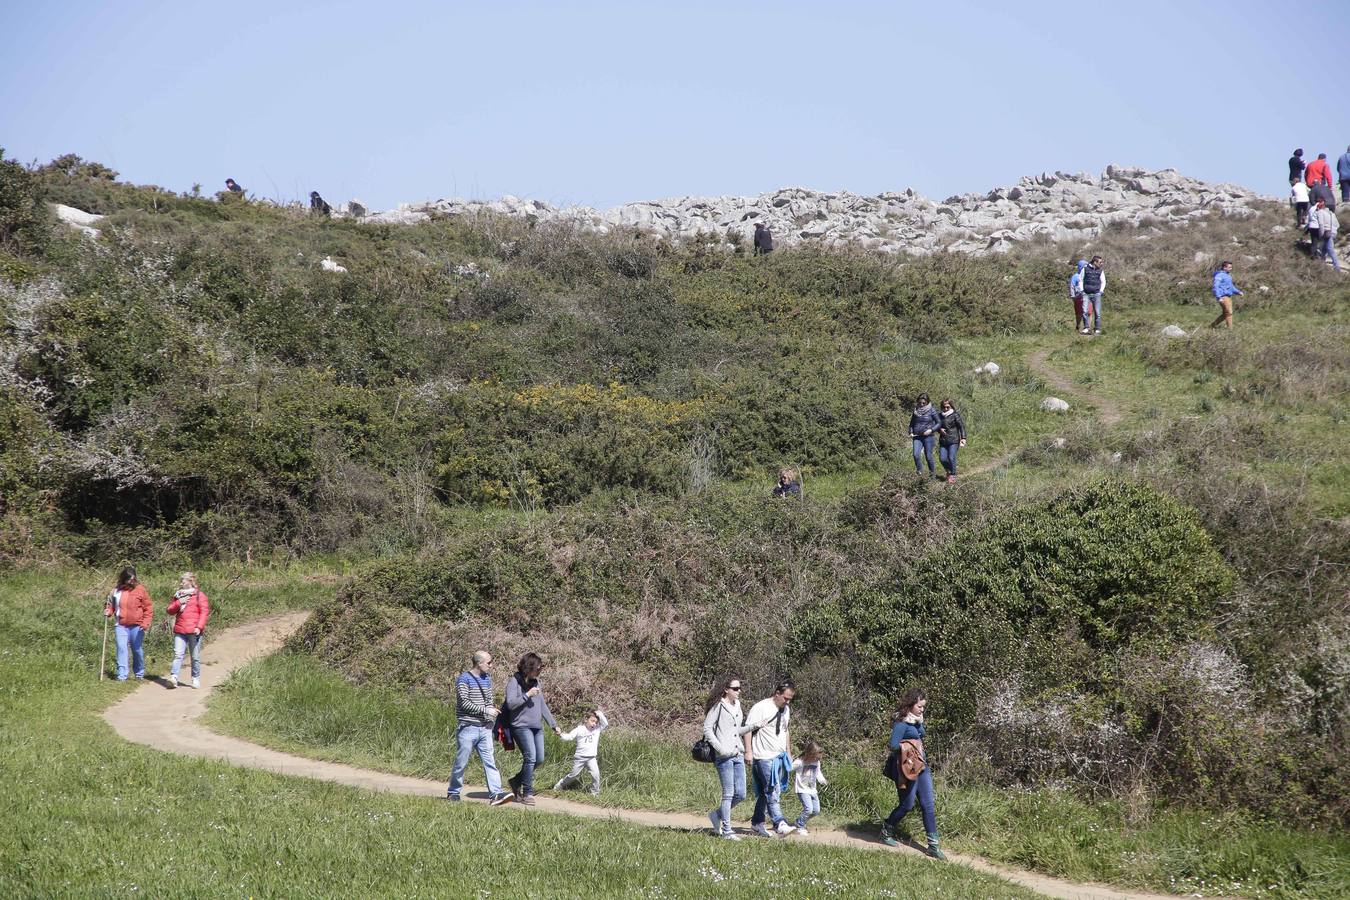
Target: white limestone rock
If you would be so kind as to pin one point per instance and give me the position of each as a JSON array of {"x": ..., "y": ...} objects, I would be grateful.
[
  {"x": 328, "y": 265},
  {"x": 1054, "y": 404},
  {"x": 989, "y": 368},
  {"x": 1173, "y": 331},
  {"x": 77, "y": 219}
]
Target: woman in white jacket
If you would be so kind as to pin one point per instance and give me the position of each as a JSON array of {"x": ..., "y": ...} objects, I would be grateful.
[{"x": 723, "y": 726}]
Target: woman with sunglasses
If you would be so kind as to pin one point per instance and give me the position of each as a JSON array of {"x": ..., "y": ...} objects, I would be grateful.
[
  {"x": 951, "y": 437},
  {"x": 723, "y": 725}
]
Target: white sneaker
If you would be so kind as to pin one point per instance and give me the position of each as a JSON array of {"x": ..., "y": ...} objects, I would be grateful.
[
  {"x": 173, "y": 679},
  {"x": 715, "y": 817},
  {"x": 1096, "y": 331},
  {"x": 759, "y": 830},
  {"x": 784, "y": 828},
  {"x": 196, "y": 682},
  {"x": 730, "y": 836},
  {"x": 1085, "y": 331},
  {"x": 801, "y": 829}
]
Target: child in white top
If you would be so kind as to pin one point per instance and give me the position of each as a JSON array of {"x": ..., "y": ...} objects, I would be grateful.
[
  {"x": 587, "y": 736},
  {"x": 1298, "y": 198},
  {"x": 807, "y": 780}
]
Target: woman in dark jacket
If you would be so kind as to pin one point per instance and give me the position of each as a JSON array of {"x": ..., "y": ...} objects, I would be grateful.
[
  {"x": 951, "y": 436},
  {"x": 528, "y": 710},
  {"x": 909, "y": 727},
  {"x": 923, "y": 429}
]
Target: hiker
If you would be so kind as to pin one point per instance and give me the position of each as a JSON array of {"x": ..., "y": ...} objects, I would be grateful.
[
  {"x": 474, "y": 715},
  {"x": 129, "y": 605},
  {"x": 233, "y": 187},
  {"x": 763, "y": 239},
  {"x": 1343, "y": 173},
  {"x": 923, "y": 427},
  {"x": 1076, "y": 295},
  {"x": 909, "y": 727},
  {"x": 723, "y": 727},
  {"x": 1224, "y": 291},
  {"x": 192, "y": 609},
  {"x": 768, "y": 749},
  {"x": 1318, "y": 172},
  {"x": 318, "y": 205},
  {"x": 1296, "y": 165},
  {"x": 1094, "y": 285},
  {"x": 788, "y": 485},
  {"x": 951, "y": 437},
  {"x": 807, "y": 780},
  {"x": 587, "y": 736},
  {"x": 1298, "y": 198},
  {"x": 528, "y": 709},
  {"x": 1327, "y": 225}
]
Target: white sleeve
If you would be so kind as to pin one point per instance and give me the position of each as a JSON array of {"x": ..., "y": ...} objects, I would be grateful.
[
  {"x": 573, "y": 734},
  {"x": 604, "y": 723},
  {"x": 1103, "y": 284}
]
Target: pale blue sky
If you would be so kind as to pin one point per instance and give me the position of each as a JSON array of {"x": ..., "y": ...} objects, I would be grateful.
[{"x": 601, "y": 103}]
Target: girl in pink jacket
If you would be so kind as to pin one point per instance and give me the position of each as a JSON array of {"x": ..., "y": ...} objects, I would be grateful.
[{"x": 192, "y": 610}]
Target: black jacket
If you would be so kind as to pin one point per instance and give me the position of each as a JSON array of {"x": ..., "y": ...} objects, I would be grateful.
[
  {"x": 1296, "y": 165},
  {"x": 953, "y": 429},
  {"x": 763, "y": 238}
]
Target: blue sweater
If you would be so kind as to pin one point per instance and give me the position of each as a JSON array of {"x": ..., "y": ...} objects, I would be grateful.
[
  {"x": 924, "y": 419},
  {"x": 904, "y": 731},
  {"x": 1223, "y": 285}
]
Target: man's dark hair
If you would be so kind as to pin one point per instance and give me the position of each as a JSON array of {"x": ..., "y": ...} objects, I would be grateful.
[
  {"x": 1321, "y": 156},
  {"x": 1298, "y": 152},
  {"x": 1225, "y": 264},
  {"x": 784, "y": 685}
]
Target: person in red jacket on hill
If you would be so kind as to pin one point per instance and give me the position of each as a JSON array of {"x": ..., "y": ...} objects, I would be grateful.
[
  {"x": 1318, "y": 171},
  {"x": 130, "y": 604},
  {"x": 192, "y": 609}
]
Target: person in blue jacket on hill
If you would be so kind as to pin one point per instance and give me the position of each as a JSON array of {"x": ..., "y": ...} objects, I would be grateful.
[
  {"x": 923, "y": 431},
  {"x": 1224, "y": 291},
  {"x": 1343, "y": 174},
  {"x": 1076, "y": 295},
  {"x": 909, "y": 727}
]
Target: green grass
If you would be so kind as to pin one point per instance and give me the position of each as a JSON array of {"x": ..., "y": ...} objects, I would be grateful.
[
  {"x": 291, "y": 702},
  {"x": 85, "y": 814}
]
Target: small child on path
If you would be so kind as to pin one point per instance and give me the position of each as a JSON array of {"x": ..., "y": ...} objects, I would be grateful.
[
  {"x": 587, "y": 736},
  {"x": 807, "y": 780}
]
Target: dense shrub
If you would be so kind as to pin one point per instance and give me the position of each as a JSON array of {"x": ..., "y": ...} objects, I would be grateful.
[{"x": 25, "y": 224}]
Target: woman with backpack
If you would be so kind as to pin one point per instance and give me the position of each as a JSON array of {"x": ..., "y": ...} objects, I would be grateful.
[
  {"x": 528, "y": 709},
  {"x": 907, "y": 747},
  {"x": 723, "y": 726},
  {"x": 192, "y": 609}
]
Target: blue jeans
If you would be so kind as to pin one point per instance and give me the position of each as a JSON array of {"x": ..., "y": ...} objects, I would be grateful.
[
  {"x": 947, "y": 453},
  {"x": 1093, "y": 303},
  {"x": 922, "y": 789},
  {"x": 469, "y": 738},
  {"x": 731, "y": 773},
  {"x": 923, "y": 449},
  {"x": 810, "y": 808},
  {"x": 130, "y": 638},
  {"x": 1345, "y": 189},
  {"x": 531, "y": 744},
  {"x": 187, "y": 643},
  {"x": 1329, "y": 249},
  {"x": 768, "y": 793}
]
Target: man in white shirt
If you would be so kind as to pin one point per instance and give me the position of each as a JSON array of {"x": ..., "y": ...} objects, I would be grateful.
[{"x": 765, "y": 741}]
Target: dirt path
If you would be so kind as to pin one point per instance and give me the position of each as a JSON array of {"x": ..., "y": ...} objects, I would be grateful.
[
  {"x": 167, "y": 720},
  {"x": 1108, "y": 411}
]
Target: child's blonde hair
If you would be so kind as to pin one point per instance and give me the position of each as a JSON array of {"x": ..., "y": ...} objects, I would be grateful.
[
  {"x": 789, "y": 473},
  {"x": 189, "y": 577}
]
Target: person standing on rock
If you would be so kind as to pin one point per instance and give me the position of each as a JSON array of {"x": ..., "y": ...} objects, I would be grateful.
[
  {"x": 951, "y": 437},
  {"x": 1296, "y": 165},
  {"x": 909, "y": 727},
  {"x": 528, "y": 709},
  {"x": 1076, "y": 295},
  {"x": 924, "y": 423},
  {"x": 130, "y": 608},
  {"x": 1343, "y": 173},
  {"x": 1224, "y": 292},
  {"x": 763, "y": 239},
  {"x": 723, "y": 727},
  {"x": 474, "y": 715},
  {"x": 1094, "y": 285},
  {"x": 191, "y": 609},
  {"x": 768, "y": 749},
  {"x": 1327, "y": 225}
]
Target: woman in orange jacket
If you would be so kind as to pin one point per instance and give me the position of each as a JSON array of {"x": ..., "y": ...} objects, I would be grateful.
[
  {"x": 191, "y": 607},
  {"x": 130, "y": 604}
]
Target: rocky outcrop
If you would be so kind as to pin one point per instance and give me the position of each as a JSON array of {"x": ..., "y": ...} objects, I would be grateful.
[
  {"x": 1060, "y": 207},
  {"x": 77, "y": 219}
]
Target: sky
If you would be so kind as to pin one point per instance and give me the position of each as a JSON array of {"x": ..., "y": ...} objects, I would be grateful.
[{"x": 605, "y": 103}]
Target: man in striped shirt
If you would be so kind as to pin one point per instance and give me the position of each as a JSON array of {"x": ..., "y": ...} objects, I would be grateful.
[{"x": 475, "y": 713}]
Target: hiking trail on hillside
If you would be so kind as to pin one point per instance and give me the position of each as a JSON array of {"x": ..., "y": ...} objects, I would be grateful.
[{"x": 167, "y": 719}]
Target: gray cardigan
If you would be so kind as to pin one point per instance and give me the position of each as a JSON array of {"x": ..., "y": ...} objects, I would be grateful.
[{"x": 526, "y": 712}]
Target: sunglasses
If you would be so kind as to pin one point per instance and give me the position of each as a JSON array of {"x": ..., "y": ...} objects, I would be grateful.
[{"x": 733, "y": 687}]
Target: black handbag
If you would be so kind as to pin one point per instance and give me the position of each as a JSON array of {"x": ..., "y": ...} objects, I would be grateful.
[{"x": 703, "y": 749}]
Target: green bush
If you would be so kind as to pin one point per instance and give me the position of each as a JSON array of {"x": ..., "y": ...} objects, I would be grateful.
[{"x": 25, "y": 224}]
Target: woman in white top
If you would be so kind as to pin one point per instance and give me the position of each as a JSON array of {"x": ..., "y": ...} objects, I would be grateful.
[{"x": 723, "y": 726}]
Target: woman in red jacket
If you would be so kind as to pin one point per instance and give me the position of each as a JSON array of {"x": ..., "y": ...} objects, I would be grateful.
[
  {"x": 130, "y": 603},
  {"x": 192, "y": 609}
]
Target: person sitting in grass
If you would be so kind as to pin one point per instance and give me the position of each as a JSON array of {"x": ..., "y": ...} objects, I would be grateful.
[
  {"x": 807, "y": 781},
  {"x": 587, "y": 736},
  {"x": 788, "y": 485}
]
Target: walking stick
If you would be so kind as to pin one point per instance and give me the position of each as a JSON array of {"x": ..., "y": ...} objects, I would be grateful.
[{"x": 103, "y": 657}]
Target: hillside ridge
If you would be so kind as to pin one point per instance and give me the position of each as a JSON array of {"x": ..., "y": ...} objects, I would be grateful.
[{"x": 1059, "y": 206}]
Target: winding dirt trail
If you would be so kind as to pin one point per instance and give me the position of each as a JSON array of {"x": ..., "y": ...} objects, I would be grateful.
[
  {"x": 167, "y": 720},
  {"x": 1108, "y": 411}
]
